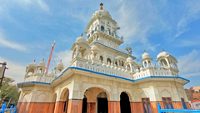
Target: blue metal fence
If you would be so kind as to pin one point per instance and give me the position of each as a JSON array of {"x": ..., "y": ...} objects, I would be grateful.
[
  {"x": 12, "y": 109},
  {"x": 160, "y": 110}
]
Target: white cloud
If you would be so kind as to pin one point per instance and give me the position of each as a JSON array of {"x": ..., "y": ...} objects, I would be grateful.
[
  {"x": 38, "y": 3},
  {"x": 65, "y": 56},
  {"x": 15, "y": 70},
  {"x": 192, "y": 42},
  {"x": 138, "y": 21},
  {"x": 41, "y": 4},
  {"x": 189, "y": 64},
  {"x": 191, "y": 14},
  {"x": 4, "y": 42}
]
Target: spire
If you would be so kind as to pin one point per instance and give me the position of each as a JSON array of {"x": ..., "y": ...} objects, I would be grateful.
[{"x": 101, "y": 6}]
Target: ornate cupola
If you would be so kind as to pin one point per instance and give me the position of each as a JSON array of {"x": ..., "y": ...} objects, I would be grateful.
[
  {"x": 59, "y": 67},
  {"x": 41, "y": 67},
  {"x": 31, "y": 69},
  {"x": 146, "y": 59},
  {"x": 103, "y": 28},
  {"x": 166, "y": 60}
]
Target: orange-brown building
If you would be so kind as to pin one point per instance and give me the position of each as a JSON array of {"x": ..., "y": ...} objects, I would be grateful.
[
  {"x": 194, "y": 96},
  {"x": 102, "y": 78}
]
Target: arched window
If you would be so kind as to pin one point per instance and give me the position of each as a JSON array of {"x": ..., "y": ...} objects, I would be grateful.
[
  {"x": 163, "y": 62},
  {"x": 116, "y": 64},
  {"x": 101, "y": 59},
  {"x": 102, "y": 28},
  {"x": 122, "y": 63},
  {"x": 109, "y": 32},
  {"x": 108, "y": 61},
  {"x": 145, "y": 64}
]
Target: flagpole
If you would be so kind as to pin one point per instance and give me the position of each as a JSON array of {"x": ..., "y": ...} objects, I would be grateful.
[{"x": 50, "y": 56}]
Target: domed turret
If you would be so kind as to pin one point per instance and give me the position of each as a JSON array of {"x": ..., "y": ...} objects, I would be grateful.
[
  {"x": 146, "y": 60},
  {"x": 42, "y": 63},
  {"x": 146, "y": 55},
  {"x": 166, "y": 60},
  {"x": 162, "y": 54},
  {"x": 31, "y": 69},
  {"x": 59, "y": 67},
  {"x": 101, "y": 13},
  {"x": 103, "y": 28},
  {"x": 41, "y": 66}
]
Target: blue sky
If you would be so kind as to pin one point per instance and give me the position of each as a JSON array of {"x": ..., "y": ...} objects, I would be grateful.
[{"x": 28, "y": 27}]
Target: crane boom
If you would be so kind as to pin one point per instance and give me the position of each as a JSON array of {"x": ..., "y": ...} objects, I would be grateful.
[{"x": 50, "y": 56}]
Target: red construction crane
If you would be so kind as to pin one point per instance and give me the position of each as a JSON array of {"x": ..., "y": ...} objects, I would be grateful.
[{"x": 50, "y": 56}]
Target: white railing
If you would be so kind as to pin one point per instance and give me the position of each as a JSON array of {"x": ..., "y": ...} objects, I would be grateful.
[
  {"x": 39, "y": 78},
  {"x": 152, "y": 71},
  {"x": 106, "y": 69},
  {"x": 120, "y": 71},
  {"x": 102, "y": 68}
]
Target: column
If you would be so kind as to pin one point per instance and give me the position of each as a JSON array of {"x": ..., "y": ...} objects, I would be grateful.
[
  {"x": 59, "y": 107},
  {"x": 91, "y": 107},
  {"x": 113, "y": 106},
  {"x": 75, "y": 106},
  {"x": 177, "y": 105},
  {"x": 137, "y": 107}
]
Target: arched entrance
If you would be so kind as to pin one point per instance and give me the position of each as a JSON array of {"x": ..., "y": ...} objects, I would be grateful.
[
  {"x": 84, "y": 108},
  {"x": 125, "y": 103},
  {"x": 95, "y": 101},
  {"x": 64, "y": 97},
  {"x": 102, "y": 103}
]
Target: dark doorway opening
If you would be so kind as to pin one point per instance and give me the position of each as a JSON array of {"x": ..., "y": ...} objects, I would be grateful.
[
  {"x": 102, "y": 105},
  {"x": 125, "y": 103},
  {"x": 84, "y": 109}
]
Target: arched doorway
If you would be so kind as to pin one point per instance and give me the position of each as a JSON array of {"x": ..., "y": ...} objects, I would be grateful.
[
  {"x": 125, "y": 103},
  {"x": 95, "y": 100},
  {"x": 64, "y": 97},
  {"x": 84, "y": 108},
  {"x": 102, "y": 103}
]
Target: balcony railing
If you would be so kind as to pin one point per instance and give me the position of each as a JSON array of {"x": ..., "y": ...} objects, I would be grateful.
[{"x": 103, "y": 68}]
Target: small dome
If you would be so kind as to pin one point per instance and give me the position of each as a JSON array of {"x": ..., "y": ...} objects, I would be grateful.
[
  {"x": 146, "y": 55},
  {"x": 101, "y": 12},
  {"x": 60, "y": 66},
  {"x": 42, "y": 63},
  {"x": 129, "y": 59},
  {"x": 162, "y": 54},
  {"x": 80, "y": 40},
  {"x": 32, "y": 65}
]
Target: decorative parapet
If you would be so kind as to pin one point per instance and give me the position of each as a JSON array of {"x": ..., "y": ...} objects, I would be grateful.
[
  {"x": 39, "y": 78},
  {"x": 152, "y": 71},
  {"x": 120, "y": 71},
  {"x": 103, "y": 68}
]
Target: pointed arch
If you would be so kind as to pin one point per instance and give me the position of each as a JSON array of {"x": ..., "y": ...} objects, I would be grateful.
[{"x": 125, "y": 105}]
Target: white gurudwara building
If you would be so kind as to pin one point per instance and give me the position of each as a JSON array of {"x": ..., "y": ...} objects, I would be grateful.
[{"x": 103, "y": 79}]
